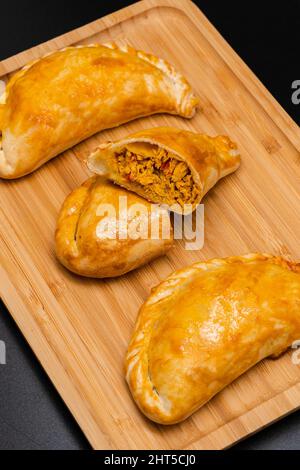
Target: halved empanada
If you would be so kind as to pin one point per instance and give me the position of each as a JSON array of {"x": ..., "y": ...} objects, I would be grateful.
[
  {"x": 167, "y": 165},
  {"x": 205, "y": 326},
  {"x": 106, "y": 231},
  {"x": 65, "y": 97}
]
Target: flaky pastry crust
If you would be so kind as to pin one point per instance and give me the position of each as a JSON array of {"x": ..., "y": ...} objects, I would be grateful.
[
  {"x": 68, "y": 95},
  {"x": 206, "y": 325},
  {"x": 90, "y": 239},
  {"x": 206, "y": 160}
]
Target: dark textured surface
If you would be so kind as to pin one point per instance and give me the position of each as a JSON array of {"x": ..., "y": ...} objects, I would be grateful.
[
  {"x": 32, "y": 414},
  {"x": 266, "y": 36}
]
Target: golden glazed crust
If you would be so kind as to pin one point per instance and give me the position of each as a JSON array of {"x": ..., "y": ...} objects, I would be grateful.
[
  {"x": 63, "y": 98},
  {"x": 82, "y": 243},
  {"x": 205, "y": 326},
  {"x": 208, "y": 158}
]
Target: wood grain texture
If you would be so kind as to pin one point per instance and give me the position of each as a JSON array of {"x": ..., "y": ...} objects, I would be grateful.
[{"x": 79, "y": 328}]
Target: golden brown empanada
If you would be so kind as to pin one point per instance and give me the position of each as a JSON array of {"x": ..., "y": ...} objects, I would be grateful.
[
  {"x": 167, "y": 165},
  {"x": 92, "y": 238},
  {"x": 206, "y": 325},
  {"x": 65, "y": 97}
]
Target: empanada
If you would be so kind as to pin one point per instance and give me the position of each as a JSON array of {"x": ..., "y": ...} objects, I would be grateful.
[
  {"x": 95, "y": 239},
  {"x": 65, "y": 97},
  {"x": 206, "y": 325},
  {"x": 167, "y": 165}
]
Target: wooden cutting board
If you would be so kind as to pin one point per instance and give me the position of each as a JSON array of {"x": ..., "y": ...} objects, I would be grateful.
[{"x": 79, "y": 328}]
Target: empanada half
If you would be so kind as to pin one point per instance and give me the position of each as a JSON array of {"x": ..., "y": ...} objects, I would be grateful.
[
  {"x": 63, "y": 98},
  {"x": 167, "y": 165},
  {"x": 106, "y": 231},
  {"x": 206, "y": 325}
]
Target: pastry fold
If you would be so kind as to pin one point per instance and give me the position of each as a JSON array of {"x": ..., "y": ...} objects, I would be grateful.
[
  {"x": 206, "y": 325},
  {"x": 167, "y": 165},
  {"x": 106, "y": 231},
  {"x": 61, "y": 99}
]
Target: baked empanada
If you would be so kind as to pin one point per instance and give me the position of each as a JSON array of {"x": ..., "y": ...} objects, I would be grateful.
[
  {"x": 69, "y": 95},
  {"x": 167, "y": 165},
  {"x": 106, "y": 231},
  {"x": 206, "y": 325}
]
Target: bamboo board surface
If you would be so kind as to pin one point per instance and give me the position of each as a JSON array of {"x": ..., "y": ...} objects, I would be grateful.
[{"x": 79, "y": 328}]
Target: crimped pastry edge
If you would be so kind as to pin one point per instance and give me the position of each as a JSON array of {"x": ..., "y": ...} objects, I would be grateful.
[
  {"x": 187, "y": 101},
  {"x": 114, "y": 145},
  {"x": 190, "y": 101},
  {"x": 137, "y": 354},
  {"x": 186, "y": 273}
]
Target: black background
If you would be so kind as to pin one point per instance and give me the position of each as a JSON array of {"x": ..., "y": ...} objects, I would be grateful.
[{"x": 267, "y": 36}]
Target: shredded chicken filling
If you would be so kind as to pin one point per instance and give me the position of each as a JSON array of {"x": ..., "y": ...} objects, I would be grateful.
[{"x": 163, "y": 177}]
